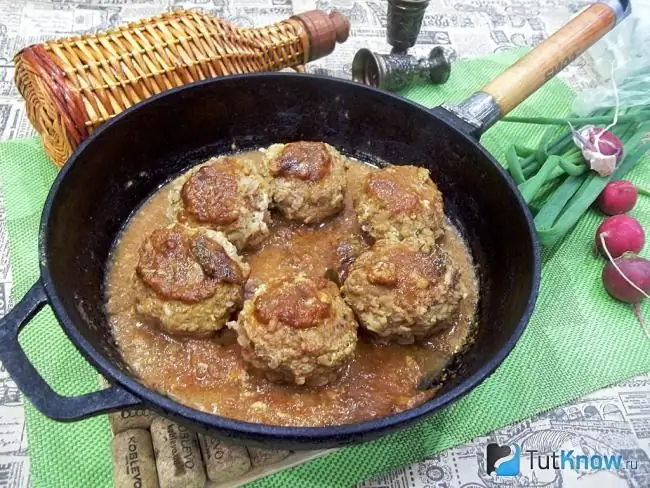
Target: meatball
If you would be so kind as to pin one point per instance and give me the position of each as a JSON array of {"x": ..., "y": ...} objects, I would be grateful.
[
  {"x": 401, "y": 202},
  {"x": 297, "y": 331},
  {"x": 402, "y": 294},
  {"x": 308, "y": 180},
  {"x": 226, "y": 194},
  {"x": 189, "y": 281}
]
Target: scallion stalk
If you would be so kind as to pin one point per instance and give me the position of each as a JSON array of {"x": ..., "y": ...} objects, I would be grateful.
[{"x": 556, "y": 181}]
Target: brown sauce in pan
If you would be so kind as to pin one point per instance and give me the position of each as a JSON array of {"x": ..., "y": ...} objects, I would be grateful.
[{"x": 209, "y": 375}]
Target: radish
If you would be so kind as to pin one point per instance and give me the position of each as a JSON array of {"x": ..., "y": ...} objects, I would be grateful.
[
  {"x": 627, "y": 278},
  {"x": 620, "y": 234},
  {"x": 600, "y": 147},
  {"x": 618, "y": 197}
]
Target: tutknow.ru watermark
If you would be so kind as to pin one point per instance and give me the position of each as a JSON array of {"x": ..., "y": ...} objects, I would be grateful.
[
  {"x": 571, "y": 460},
  {"x": 506, "y": 460}
]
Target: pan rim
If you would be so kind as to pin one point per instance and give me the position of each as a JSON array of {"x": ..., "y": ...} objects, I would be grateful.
[{"x": 237, "y": 428}]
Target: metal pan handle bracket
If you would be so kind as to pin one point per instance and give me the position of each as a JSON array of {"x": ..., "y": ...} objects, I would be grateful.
[
  {"x": 32, "y": 384},
  {"x": 482, "y": 109}
]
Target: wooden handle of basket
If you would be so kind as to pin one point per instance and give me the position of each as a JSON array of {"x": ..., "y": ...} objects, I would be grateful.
[
  {"x": 523, "y": 78},
  {"x": 323, "y": 31}
]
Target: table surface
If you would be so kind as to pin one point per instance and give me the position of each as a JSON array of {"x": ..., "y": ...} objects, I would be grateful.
[{"x": 616, "y": 419}]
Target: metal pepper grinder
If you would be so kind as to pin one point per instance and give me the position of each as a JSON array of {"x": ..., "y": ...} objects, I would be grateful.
[{"x": 398, "y": 69}]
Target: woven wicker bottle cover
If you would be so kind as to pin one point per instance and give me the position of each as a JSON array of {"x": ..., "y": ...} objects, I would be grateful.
[{"x": 73, "y": 85}]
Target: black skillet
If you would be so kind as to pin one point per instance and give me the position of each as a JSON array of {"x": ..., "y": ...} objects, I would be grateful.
[{"x": 129, "y": 157}]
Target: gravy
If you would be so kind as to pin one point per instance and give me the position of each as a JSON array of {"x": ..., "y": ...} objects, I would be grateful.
[{"x": 209, "y": 375}]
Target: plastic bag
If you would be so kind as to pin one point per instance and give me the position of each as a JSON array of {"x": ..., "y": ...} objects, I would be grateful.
[{"x": 625, "y": 52}]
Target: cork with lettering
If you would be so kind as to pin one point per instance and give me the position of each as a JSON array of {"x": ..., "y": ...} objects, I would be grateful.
[
  {"x": 133, "y": 460},
  {"x": 178, "y": 457},
  {"x": 151, "y": 451}
]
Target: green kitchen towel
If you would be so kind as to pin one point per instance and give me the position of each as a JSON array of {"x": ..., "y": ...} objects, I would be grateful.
[{"x": 579, "y": 340}]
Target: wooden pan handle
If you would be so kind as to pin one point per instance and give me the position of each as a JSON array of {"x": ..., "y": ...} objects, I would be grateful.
[{"x": 523, "y": 78}]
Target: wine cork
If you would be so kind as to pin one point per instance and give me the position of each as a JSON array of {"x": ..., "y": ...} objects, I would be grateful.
[
  {"x": 264, "y": 457},
  {"x": 133, "y": 461},
  {"x": 223, "y": 461},
  {"x": 178, "y": 456},
  {"x": 130, "y": 418}
]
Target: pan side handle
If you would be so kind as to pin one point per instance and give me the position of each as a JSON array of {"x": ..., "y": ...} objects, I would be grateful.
[
  {"x": 523, "y": 78},
  {"x": 32, "y": 384}
]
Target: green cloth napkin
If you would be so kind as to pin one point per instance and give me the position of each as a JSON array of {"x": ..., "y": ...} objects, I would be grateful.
[{"x": 579, "y": 340}]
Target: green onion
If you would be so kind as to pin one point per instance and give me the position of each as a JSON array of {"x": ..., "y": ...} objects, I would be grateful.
[
  {"x": 531, "y": 169},
  {"x": 523, "y": 151},
  {"x": 554, "y": 178},
  {"x": 640, "y": 116},
  {"x": 586, "y": 195},
  {"x": 530, "y": 187},
  {"x": 542, "y": 153},
  {"x": 514, "y": 165},
  {"x": 547, "y": 215},
  {"x": 572, "y": 168}
]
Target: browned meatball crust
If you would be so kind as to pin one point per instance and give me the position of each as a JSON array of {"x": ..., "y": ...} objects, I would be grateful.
[
  {"x": 188, "y": 281},
  {"x": 297, "y": 331},
  {"x": 308, "y": 180},
  {"x": 401, "y": 202},
  {"x": 226, "y": 194},
  {"x": 400, "y": 293}
]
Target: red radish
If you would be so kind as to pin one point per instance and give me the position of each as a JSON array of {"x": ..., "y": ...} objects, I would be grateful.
[
  {"x": 620, "y": 234},
  {"x": 617, "y": 197},
  {"x": 604, "y": 141},
  {"x": 600, "y": 147},
  {"x": 627, "y": 279}
]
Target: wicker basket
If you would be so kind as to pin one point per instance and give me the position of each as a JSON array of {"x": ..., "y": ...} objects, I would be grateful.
[{"x": 73, "y": 85}]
